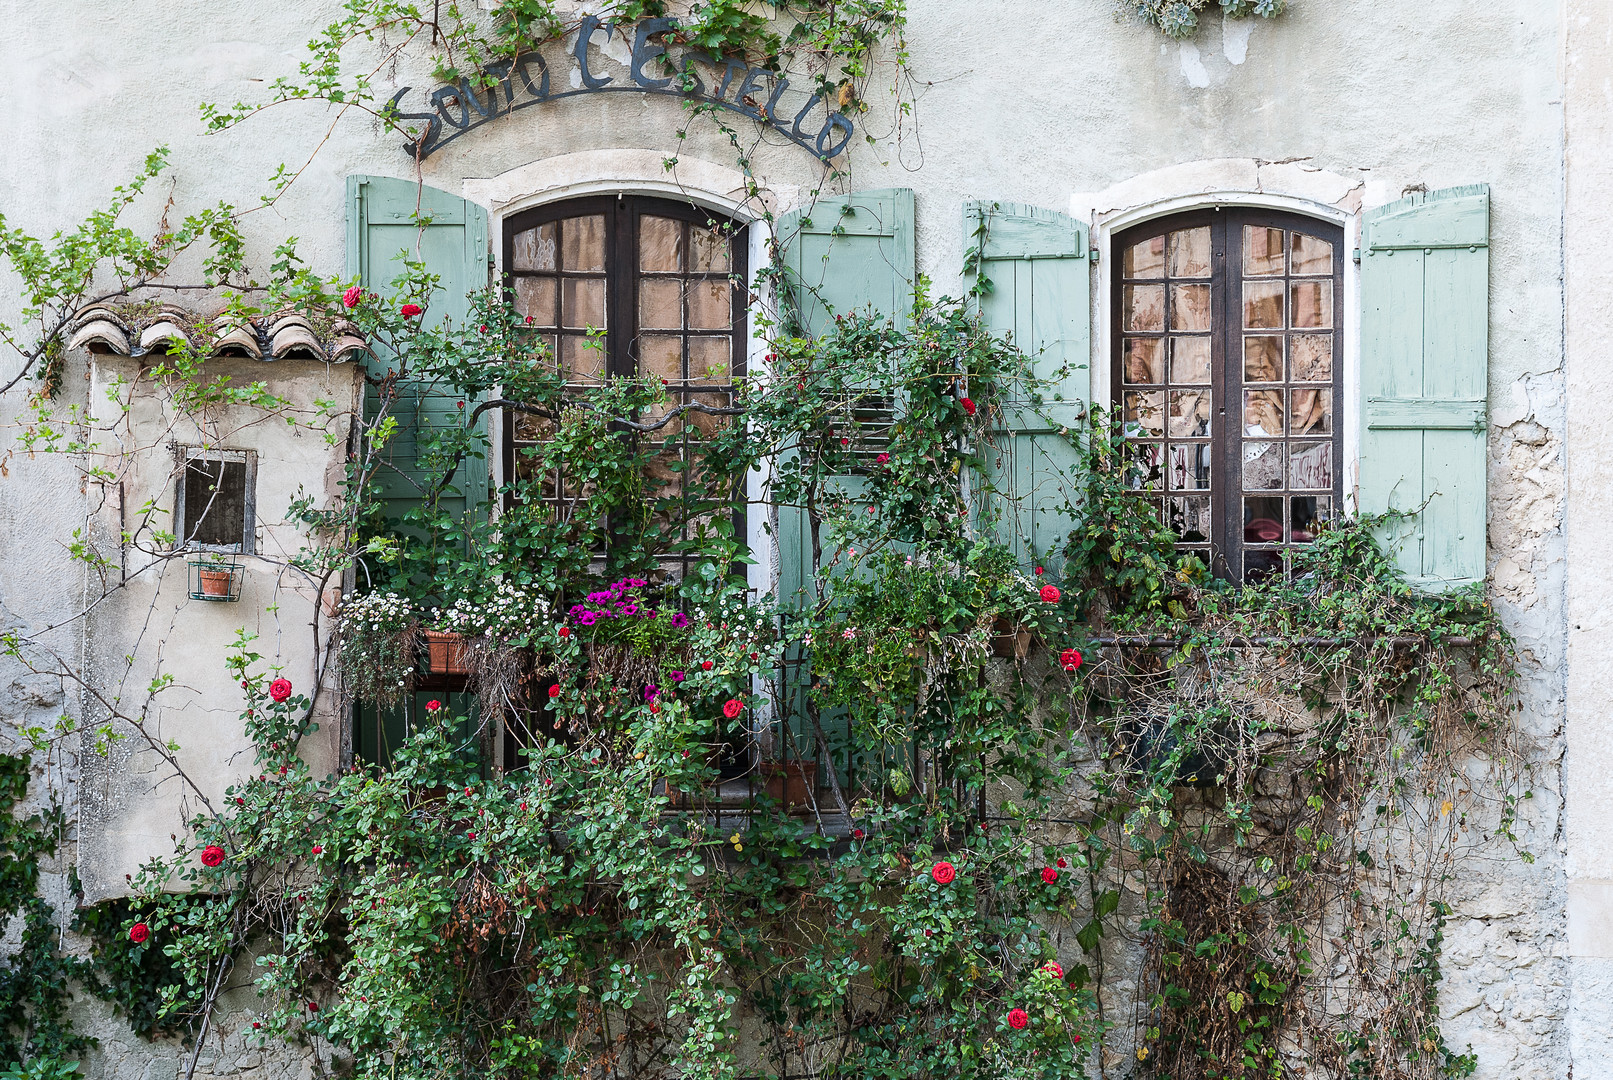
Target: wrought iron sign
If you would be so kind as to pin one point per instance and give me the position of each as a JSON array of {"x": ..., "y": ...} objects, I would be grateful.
[{"x": 509, "y": 85}]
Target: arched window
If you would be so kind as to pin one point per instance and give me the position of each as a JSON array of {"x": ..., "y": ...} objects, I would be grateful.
[
  {"x": 632, "y": 285},
  {"x": 1227, "y": 377}
]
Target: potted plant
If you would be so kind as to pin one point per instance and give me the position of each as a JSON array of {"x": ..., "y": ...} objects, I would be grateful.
[
  {"x": 447, "y": 652},
  {"x": 216, "y": 579},
  {"x": 793, "y": 783}
]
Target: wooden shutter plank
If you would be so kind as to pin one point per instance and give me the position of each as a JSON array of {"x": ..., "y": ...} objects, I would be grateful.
[
  {"x": 1425, "y": 341},
  {"x": 385, "y": 217},
  {"x": 842, "y": 254},
  {"x": 1041, "y": 296}
]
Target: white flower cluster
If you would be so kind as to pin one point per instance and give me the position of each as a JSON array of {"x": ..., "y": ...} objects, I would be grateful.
[
  {"x": 377, "y": 613},
  {"x": 511, "y": 611}
]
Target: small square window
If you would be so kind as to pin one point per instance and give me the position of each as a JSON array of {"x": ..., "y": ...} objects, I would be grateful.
[{"x": 215, "y": 500}]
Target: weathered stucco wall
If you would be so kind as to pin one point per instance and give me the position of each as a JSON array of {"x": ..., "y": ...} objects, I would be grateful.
[{"x": 1346, "y": 103}]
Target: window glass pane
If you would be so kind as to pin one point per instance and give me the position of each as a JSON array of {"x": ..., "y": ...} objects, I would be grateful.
[
  {"x": 1262, "y": 359},
  {"x": 710, "y": 254},
  {"x": 1190, "y": 307},
  {"x": 1144, "y": 307},
  {"x": 1190, "y": 518},
  {"x": 1263, "y": 412},
  {"x": 1262, "y": 305},
  {"x": 705, "y": 423},
  {"x": 1262, "y": 466},
  {"x": 1262, "y": 250},
  {"x": 1310, "y": 466},
  {"x": 710, "y": 359},
  {"x": 1145, "y": 413},
  {"x": 711, "y": 304},
  {"x": 1143, "y": 363},
  {"x": 582, "y": 360},
  {"x": 1190, "y": 466},
  {"x": 534, "y": 298},
  {"x": 660, "y": 356},
  {"x": 1311, "y": 412},
  {"x": 1313, "y": 357},
  {"x": 582, "y": 303},
  {"x": 215, "y": 502},
  {"x": 1310, "y": 513},
  {"x": 1144, "y": 466},
  {"x": 1258, "y": 565},
  {"x": 535, "y": 248},
  {"x": 1313, "y": 303},
  {"x": 582, "y": 242},
  {"x": 660, "y": 304},
  {"x": 1190, "y": 360},
  {"x": 1311, "y": 256},
  {"x": 1190, "y": 253},
  {"x": 660, "y": 244},
  {"x": 1146, "y": 258},
  {"x": 1190, "y": 414},
  {"x": 1263, "y": 519}
]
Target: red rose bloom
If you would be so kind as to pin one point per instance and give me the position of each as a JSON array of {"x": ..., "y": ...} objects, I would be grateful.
[
  {"x": 1038, "y": 571},
  {"x": 1018, "y": 1019},
  {"x": 409, "y": 311},
  {"x": 554, "y": 691},
  {"x": 1070, "y": 659},
  {"x": 705, "y": 665},
  {"x": 212, "y": 855},
  {"x": 1053, "y": 967},
  {"x": 564, "y": 631},
  {"x": 654, "y": 708},
  {"x": 857, "y": 834},
  {"x": 1062, "y": 864},
  {"x": 943, "y": 873},
  {"x": 139, "y": 932},
  {"x": 1050, "y": 593},
  {"x": 433, "y": 705},
  {"x": 352, "y": 296},
  {"x": 732, "y": 707},
  {"x": 318, "y": 850},
  {"x": 968, "y": 405},
  {"x": 883, "y": 458},
  {"x": 280, "y": 689},
  {"x": 313, "y": 1006},
  {"x": 1049, "y": 875}
]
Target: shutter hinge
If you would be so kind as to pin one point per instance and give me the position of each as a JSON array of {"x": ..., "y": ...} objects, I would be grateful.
[
  {"x": 1356, "y": 255},
  {"x": 1092, "y": 253}
]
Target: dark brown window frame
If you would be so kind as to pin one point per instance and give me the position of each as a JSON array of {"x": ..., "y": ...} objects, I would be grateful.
[
  {"x": 1226, "y": 545},
  {"x": 622, "y": 213}
]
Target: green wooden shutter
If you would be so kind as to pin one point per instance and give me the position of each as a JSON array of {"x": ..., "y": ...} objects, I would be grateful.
[
  {"x": 1041, "y": 298},
  {"x": 843, "y": 254},
  {"x": 384, "y": 221},
  {"x": 848, "y": 253},
  {"x": 1425, "y": 269}
]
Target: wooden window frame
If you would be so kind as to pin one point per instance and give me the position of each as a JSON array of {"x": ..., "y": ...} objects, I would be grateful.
[
  {"x": 249, "y": 499},
  {"x": 1226, "y": 545},
  {"x": 622, "y": 213}
]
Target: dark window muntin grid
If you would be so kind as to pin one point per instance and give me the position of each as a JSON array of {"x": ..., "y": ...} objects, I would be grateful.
[
  {"x": 622, "y": 214},
  {"x": 1226, "y": 544},
  {"x": 183, "y": 530}
]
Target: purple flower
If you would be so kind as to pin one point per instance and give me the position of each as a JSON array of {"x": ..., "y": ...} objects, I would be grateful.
[
  {"x": 677, "y": 676},
  {"x": 577, "y": 609},
  {"x": 679, "y": 620},
  {"x": 629, "y": 609},
  {"x": 588, "y": 618},
  {"x": 650, "y": 691},
  {"x": 598, "y": 597}
]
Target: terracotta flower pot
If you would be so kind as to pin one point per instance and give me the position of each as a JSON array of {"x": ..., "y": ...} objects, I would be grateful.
[
  {"x": 792, "y": 783},
  {"x": 214, "y": 582},
  {"x": 1008, "y": 640},
  {"x": 447, "y": 653}
]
